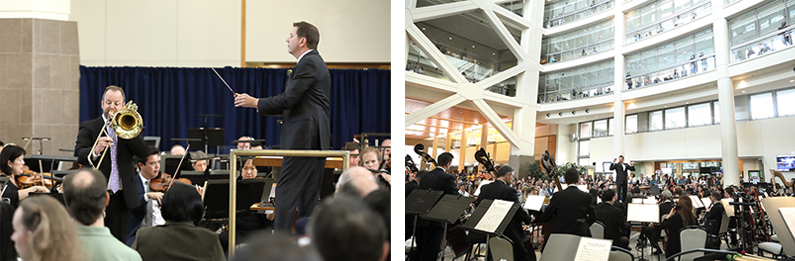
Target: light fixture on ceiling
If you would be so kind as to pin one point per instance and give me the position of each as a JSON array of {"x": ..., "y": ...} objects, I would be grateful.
[
  {"x": 791, "y": 80},
  {"x": 587, "y": 110},
  {"x": 743, "y": 91},
  {"x": 473, "y": 46},
  {"x": 573, "y": 112},
  {"x": 423, "y": 28},
  {"x": 451, "y": 38},
  {"x": 493, "y": 53}
]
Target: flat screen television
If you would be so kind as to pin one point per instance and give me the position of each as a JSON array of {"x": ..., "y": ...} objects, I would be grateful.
[{"x": 785, "y": 162}]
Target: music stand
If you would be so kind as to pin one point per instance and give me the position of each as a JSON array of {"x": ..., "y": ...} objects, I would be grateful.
[
  {"x": 782, "y": 218},
  {"x": 418, "y": 203},
  {"x": 645, "y": 214},
  {"x": 169, "y": 164},
  {"x": 208, "y": 137},
  {"x": 216, "y": 196},
  {"x": 448, "y": 210},
  {"x": 500, "y": 219}
]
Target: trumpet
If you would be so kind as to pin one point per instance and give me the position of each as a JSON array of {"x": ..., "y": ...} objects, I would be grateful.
[{"x": 126, "y": 124}]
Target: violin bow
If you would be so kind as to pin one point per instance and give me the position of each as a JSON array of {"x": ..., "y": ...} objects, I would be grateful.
[{"x": 178, "y": 166}]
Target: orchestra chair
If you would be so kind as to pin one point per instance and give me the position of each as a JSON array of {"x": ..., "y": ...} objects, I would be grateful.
[
  {"x": 724, "y": 227},
  {"x": 771, "y": 247},
  {"x": 559, "y": 247},
  {"x": 500, "y": 249},
  {"x": 598, "y": 230},
  {"x": 474, "y": 240},
  {"x": 690, "y": 238},
  {"x": 620, "y": 254}
]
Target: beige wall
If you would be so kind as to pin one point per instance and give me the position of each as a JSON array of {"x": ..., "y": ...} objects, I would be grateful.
[{"x": 203, "y": 33}]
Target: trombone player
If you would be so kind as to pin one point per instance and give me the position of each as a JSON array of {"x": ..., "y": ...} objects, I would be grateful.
[{"x": 111, "y": 151}]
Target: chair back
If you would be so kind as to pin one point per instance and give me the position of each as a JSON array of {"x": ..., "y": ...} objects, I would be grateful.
[
  {"x": 560, "y": 247},
  {"x": 598, "y": 230},
  {"x": 655, "y": 190},
  {"x": 692, "y": 237},
  {"x": 620, "y": 254},
  {"x": 500, "y": 249},
  {"x": 724, "y": 224}
]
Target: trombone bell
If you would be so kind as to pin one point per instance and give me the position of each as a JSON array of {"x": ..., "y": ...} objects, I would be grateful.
[{"x": 127, "y": 122}]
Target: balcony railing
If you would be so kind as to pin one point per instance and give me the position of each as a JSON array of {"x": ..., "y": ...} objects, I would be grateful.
[
  {"x": 576, "y": 93},
  {"x": 577, "y": 53},
  {"x": 565, "y": 18},
  {"x": 680, "y": 19},
  {"x": 695, "y": 66},
  {"x": 767, "y": 44}
]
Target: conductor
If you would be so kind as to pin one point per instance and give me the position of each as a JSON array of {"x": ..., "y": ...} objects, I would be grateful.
[
  {"x": 304, "y": 107},
  {"x": 621, "y": 169}
]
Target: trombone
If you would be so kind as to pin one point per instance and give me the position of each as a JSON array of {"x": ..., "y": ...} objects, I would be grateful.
[{"x": 126, "y": 123}]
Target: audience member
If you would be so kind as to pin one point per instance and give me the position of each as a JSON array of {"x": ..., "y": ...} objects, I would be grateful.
[
  {"x": 44, "y": 231},
  {"x": 355, "y": 233}
]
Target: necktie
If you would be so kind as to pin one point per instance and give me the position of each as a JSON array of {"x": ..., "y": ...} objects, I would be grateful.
[{"x": 113, "y": 183}]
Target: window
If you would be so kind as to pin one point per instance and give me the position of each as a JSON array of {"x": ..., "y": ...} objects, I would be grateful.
[
  {"x": 585, "y": 130},
  {"x": 699, "y": 115},
  {"x": 655, "y": 120},
  {"x": 762, "y": 106},
  {"x": 631, "y": 124},
  {"x": 585, "y": 148},
  {"x": 784, "y": 100},
  {"x": 610, "y": 126},
  {"x": 600, "y": 128},
  {"x": 675, "y": 118},
  {"x": 584, "y": 161},
  {"x": 717, "y": 112}
]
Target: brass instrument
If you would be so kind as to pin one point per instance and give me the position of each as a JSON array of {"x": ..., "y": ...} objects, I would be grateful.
[{"x": 126, "y": 123}]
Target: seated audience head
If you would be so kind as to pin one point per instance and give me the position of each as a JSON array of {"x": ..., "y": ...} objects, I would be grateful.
[
  {"x": 265, "y": 246},
  {"x": 356, "y": 181},
  {"x": 353, "y": 148},
  {"x": 12, "y": 160},
  {"x": 199, "y": 165},
  {"x": 86, "y": 195},
  {"x": 608, "y": 195},
  {"x": 243, "y": 144},
  {"x": 249, "y": 170},
  {"x": 149, "y": 166},
  {"x": 182, "y": 203},
  {"x": 177, "y": 150},
  {"x": 43, "y": 230},
  {"x": 444, "y": 160},
  {"x": 571, "y": 176},
  {"x": 355, "y": 232}
]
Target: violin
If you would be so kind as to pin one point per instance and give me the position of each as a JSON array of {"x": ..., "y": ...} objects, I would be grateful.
[
  {"x": 164, "y": 182},
  {"x": 29, "y": 179}
]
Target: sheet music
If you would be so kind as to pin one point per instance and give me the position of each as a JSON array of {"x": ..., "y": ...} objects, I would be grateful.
[
  {"x": 650, "y": 201},
  {"x": 706, "y": 201},
  {"x": 494, "y": 216},
  {"x": 637, "y": 201},
  {"x": 643, "y": 213},
  {"x": 696, "y": 202},
  {"x": 482, "y": 183},
  {"x": 273, "y": 191},
  {"x": 728, "y": 208},
  {"x": 592, "y": 249},
  {"x": 789, "y": 218},
  {"x": 534, "y": 202}
]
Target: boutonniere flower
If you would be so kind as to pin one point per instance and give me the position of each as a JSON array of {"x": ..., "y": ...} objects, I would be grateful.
[{"x": 289, "y": 72}]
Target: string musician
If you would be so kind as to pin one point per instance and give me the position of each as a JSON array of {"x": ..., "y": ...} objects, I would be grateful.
[
  {"x": 248, "y": 222},
  {"x": 500, "y": 189},
  {"x": 12, "y": 163}
]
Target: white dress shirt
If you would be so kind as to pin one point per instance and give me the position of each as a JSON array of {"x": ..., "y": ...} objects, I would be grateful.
[{"x": 153, "y": 216}]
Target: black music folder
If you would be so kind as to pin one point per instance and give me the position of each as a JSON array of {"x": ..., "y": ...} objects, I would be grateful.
[
  {"x": 448, "y": 209},
  {"x": 216, "y": 196},
  {"x": 420, "y": 202},
  {"x": 499, "y": 217}
]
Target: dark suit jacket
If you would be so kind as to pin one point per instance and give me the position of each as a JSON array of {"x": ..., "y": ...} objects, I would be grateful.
[
  {"x": 613, "y": 219},
  {"x": 304, "y": 105},
  {"x": 571, "y": 211},
  {"x": 178, "y": 241},
  {"x": 437, "y": 179},
  {"x": 713, "y": 218},
  {"x": 499, "y": 190},
  {"x": 621, "y": 174},
  {"x": 126, "y": 149}
]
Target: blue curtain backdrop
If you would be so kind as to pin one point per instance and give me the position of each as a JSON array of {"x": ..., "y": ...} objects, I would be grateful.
[{"x": 170, "y": 99}]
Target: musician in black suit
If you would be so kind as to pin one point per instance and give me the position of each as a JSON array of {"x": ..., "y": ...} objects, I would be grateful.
[
  {"x": 714, "y": 215},
  {"x": 621, "y": 169},
  {"x": 499, "y": 189},
  {"x": 613, "y": 218},
  {"x": 304, "y": 107},
  {"x": 429, "y": 233},
  {"x": 571, "y": 210},
  {"x": 653, "y": 232},
  {"x": 117, "y": 165}
]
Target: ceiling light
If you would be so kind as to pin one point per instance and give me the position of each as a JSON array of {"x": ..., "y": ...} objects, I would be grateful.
[
  {"x": 451, "y": 38},
  {"x": 493, "y": 53},
  {"x": 791, "y": 80},
  {"x": 473, "y": 46},
  {"x": 743, "y": 91},
  {"x": 423, "y": 28}
]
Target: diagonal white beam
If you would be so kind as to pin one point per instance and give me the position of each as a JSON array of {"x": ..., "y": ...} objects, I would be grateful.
[
  {"x": 505, "y": 36},
  {"x": 433, "y": 109},
  {"x": 436, "y": 57},
  {"x": 501, "y": 76},
  {"x": 428, "y": 82},
  {"x": 512, "y": 17},
  {"x": 443, "y": 10},
  {"x": 497, "y": 122}
]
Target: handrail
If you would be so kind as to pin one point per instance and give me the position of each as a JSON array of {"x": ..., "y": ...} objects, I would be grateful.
[
  {"x": 235, "y": 153},
  {"x": 548, "y": 23},
  {"x": 578, "y": 11},
  {"x": 584, "y": 47},
  {"x": 762, "y": 38},
  {"x": 673, "y": 16}
]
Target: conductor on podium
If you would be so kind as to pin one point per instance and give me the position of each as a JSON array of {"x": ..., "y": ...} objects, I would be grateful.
[{"x": 304, "y": 107}]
